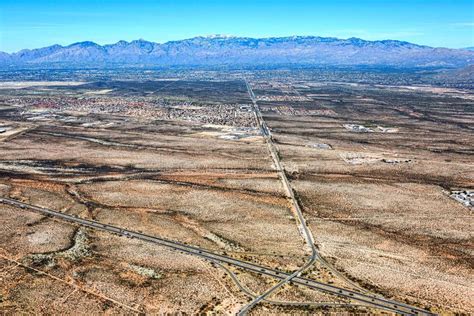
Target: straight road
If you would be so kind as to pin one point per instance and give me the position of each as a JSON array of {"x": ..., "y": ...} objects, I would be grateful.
[{"x": 304, "y": 229}]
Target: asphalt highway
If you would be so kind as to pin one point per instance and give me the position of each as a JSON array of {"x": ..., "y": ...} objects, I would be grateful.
[
  {"x": 374, "y": 301},
  {"x": 304, "y": 229}
]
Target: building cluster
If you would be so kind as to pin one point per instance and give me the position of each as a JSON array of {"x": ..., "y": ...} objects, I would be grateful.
[
  {"x": 288, "y": 110},
  {"x": 43, "y": 108},
  {"x": 357, "y": 128},
  {"x": 291, "y": 98}
]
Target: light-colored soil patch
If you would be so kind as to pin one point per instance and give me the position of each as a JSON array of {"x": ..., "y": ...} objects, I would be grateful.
[{"x": 29, "y": 84}]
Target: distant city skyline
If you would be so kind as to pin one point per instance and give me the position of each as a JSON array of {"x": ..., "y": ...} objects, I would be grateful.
[{"x": 34, "y": 24}]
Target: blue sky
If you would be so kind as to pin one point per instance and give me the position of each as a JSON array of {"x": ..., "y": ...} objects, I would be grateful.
[{"x": 38, "y": 23}]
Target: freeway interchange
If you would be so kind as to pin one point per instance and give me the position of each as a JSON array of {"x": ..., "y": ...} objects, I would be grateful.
[{"x": 369, "y": 300}]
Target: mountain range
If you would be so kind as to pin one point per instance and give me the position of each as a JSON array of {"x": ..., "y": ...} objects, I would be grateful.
[{"x": 230, "y": 50}]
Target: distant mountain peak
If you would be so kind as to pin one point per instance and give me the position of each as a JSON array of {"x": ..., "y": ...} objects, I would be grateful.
[
  {"x": 140, "y": 40},
  {"x": 219, "y": 36},
  {"x": 84, "y": 44}
]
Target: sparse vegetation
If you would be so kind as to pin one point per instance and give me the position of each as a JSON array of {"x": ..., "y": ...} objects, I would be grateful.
[{"x": 184, "y": 160}]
